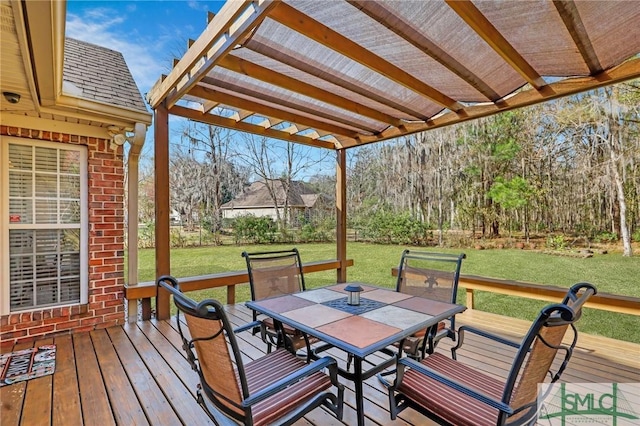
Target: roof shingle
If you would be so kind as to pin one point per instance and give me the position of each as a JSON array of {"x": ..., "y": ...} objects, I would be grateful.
[{"x": 99, "y": 74}]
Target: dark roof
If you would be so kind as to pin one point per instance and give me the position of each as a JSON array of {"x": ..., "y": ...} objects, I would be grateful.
[
  {"x": 257, "y": 195},
  {"x": 100, "y": 74}
]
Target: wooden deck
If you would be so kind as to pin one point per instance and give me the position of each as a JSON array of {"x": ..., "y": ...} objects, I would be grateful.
[{"x": 137, "y": 375}]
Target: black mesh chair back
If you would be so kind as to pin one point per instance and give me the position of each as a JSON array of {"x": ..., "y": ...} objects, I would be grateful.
[{"x": 433, "y": 276}]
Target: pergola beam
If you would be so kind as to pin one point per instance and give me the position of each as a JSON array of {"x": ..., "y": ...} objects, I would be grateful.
[
  {"x": 307, "y": 26},
  {"x": 485, "y": 29},
  {"x": 315, "y": 70},
  {"x": 571, "y": 18},
  {"x": 404, "y": 29},
  {"x": 626, "y": 71},
  {"x": 230, "y": 123},
  {"x": 271, "y": 110},
  {"x": 261, "y": 73},
  {"x": 285, "y": 103}
]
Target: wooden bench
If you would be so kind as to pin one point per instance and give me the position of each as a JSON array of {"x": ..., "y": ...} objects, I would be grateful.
[{"x": 147, "y": 290}]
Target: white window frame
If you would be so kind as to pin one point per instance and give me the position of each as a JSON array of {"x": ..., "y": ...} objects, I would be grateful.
[{"x": 5, "y": 225}]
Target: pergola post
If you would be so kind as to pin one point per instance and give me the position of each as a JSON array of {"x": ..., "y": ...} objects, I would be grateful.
[
  {"x": 341, "y": 213},
  {"x": 163, "y": 261}
]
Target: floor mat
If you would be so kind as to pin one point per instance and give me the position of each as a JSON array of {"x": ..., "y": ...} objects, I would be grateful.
[{"x": 27, "y": 364}]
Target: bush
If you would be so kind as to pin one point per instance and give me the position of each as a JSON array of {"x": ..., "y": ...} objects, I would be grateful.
[
  {"x": 253, "y": 229},
  {"x": 314, "y": 233},
  {"x": 557, "y": 242},
  {"x": 387, "y": 227},
  {"x": 147, "y": 235},
  {"x": 606, "y": 237}
]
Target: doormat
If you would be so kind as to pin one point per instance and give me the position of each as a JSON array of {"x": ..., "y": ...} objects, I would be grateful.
[{"x": 27, "y": 364}]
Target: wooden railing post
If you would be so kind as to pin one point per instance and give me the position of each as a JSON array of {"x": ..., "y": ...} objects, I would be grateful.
[
  {"x": 341, "y": 214},
  {"x": 231, "y": 295},
  {"x": 161, "y": 155},
  {"x": 470, "y": 296}
]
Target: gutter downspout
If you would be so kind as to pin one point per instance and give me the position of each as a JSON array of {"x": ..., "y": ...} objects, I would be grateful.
[{"x": 137, "y": 142}]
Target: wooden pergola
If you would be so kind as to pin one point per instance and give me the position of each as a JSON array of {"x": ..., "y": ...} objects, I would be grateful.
[{"x": 343, "y": 73}]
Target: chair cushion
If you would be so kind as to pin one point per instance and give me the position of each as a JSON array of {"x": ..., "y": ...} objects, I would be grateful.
[
  {"x": 447, "y": 403},
  {"x": 273, "y": 367}
]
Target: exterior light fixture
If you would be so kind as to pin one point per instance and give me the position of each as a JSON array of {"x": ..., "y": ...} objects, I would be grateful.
[
  {"x": 354, "y": 294},
  {"x": 118, "y": 136},
  {"x": 12, "y": 98}
]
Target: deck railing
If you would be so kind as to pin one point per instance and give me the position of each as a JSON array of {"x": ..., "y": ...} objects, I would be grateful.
[
  {"x": 603, "y": 301},
  {"x": 471, "y": 283},
  {"x": 147, "y": 290}
]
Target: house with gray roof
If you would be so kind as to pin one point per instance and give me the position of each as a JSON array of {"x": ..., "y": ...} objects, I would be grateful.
[
  {"x": 258, "y": 201},
  {"x": 68, "y": 109}
]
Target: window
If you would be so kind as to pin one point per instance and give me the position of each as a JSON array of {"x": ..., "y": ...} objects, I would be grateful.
[{"x": 44, "y": 225}]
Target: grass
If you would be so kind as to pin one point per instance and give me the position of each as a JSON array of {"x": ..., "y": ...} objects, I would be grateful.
[{"x": 611, "y": 273}]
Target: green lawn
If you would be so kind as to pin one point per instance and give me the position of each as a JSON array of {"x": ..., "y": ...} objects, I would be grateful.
[{"x": 611, "y": 273}]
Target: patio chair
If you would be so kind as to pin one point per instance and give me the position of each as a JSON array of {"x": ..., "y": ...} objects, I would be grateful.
[
  {"x": 278, "y": 388},
  {"x": 276, "y": 273},
  {"x": 432, "y": 276},
  {"x": 450, "y": 392}
]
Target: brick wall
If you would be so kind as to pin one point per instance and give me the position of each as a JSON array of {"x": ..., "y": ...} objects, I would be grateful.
[{"x": 106, "y": 249}]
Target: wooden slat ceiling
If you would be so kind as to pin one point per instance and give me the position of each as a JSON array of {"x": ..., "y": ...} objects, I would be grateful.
[{"x": 341, "y": 73}]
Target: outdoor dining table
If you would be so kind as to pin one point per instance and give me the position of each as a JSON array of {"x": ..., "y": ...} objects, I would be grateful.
[{"x": 382, "y": 318}]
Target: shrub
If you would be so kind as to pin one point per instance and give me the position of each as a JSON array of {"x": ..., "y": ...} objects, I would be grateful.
[
  {"x": 147, "y": 235},
  {"x": 387, "y": 227},
  {"x": 254, "y": 229},
  {"x": 606, "y": 237},
  {"x": 557, "y": 242}
]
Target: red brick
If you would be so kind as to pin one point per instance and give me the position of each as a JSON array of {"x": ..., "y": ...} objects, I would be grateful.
[
  {"x": 28, "y": 324},
  {"x": 105, "y": 311},
  {"x": 91, "y": 321},
  {"x": 14, "y": 334},
  {"x": 119, "y": 317},
  {"x": 7, "y": 328},
  {"x": 67, "y": 325},
  {"x": 41, "y": 330},
  {"x": 105, "y": 297}
]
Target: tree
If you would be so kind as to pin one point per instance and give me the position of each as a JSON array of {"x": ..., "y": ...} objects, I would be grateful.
[
  {"x": 202, "y": 175},
  {"x": 278, "y": 164}
]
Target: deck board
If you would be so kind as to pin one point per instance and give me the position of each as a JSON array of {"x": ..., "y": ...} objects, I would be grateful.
[
  {"x": 96, "y": 408},
  {"x": 66, "y": 395},
  {"x": 138, "y": 374},
  {"x": 37, "y": 402},
  {"x": 126, "y": 407}
]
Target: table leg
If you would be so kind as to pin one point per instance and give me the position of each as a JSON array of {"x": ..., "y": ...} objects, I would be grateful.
[{"x": 357, "y": 382}]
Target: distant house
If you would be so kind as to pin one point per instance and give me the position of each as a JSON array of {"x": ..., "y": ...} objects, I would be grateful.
[
  {"x": 257, "y": 201},
  {"x": 67, "y": 109}
]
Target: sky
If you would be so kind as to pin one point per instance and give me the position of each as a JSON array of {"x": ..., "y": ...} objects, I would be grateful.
[{"x": 149, "y": 34}]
